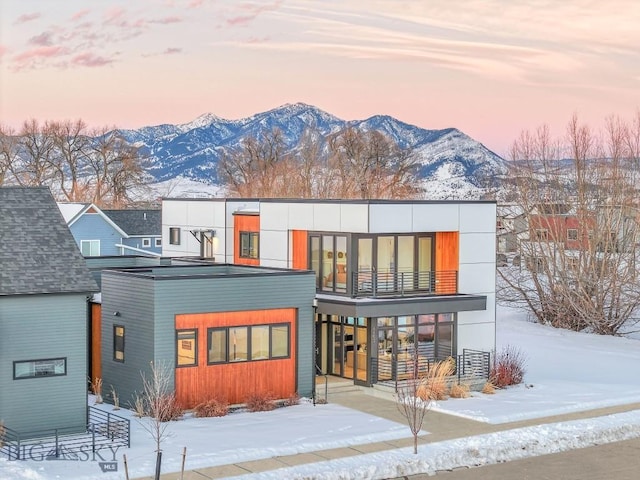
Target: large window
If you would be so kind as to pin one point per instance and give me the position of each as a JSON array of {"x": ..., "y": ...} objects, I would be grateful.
[
  {"x": 247, "y": 343},
  {"x": 50, "y": 367},
  {"x": 118, "y": 343},
  {"x": 249, "y": 242},
  {"x": 187, "y": 348},
  {"x": 90, "y": 248}
]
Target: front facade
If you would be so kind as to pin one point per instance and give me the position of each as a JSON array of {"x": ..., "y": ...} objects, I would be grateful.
[
  {"x": 390, "y": 276},
  {"x": 226, "y": 332},
  {"x": 44, "y": 289}
]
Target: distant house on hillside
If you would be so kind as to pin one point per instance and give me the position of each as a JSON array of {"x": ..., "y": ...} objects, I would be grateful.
[
  {"x": 44, "y": 288},
  {"x": 113, "y": 232}
]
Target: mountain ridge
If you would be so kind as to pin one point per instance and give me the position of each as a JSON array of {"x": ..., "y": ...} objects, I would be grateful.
[{"x": 447, "y": 156}]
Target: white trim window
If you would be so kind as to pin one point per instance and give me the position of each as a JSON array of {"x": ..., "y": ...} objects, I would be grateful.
[
  {"x": 146, "y": 243},
  {"x": 158, "y": 242},
  {"x": 90, "y": 248}
]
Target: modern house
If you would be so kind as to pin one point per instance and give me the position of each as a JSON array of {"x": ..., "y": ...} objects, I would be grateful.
[
  {"x": 225, "y": 331},
  {"x": 44, "y": 289},
  {"x": 113, "y": 232},
  {"x": 390, "y": 276}
]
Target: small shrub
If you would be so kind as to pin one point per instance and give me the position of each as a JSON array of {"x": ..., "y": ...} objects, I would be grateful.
[
  {"x": 260, "y": 402},
  {"x": 321, "y": 401},
  {"x": 488, "y": 389},
  {"x": 508, "y": 367},
  {"x": 96, "y": 389},
  {"x": 460, "y": 390},
  {"x": 167, "y": 409},
  {"x": 211, "y": 408},
  {"x": 116, "y": 399},
  {"x": 138, "y": 406},
  {"x": 293, "y": 399},
  {"x": 434, "y": 384}
]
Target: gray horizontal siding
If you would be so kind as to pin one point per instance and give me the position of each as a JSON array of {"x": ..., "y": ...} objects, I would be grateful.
[
  {"x": 132, "y": 298},
  {"x": 39, "y": 327},
  {"x": 147, "y": 309}
]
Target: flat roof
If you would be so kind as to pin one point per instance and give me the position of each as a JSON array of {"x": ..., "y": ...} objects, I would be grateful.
[
  {"x": 335, "y": 200},
  {"x": 176, "y": 272}
]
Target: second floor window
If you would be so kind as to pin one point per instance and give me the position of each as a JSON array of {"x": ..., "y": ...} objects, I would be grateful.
[
  {"x": 572, "y": 234},
  {"x": 249, "y": 243},
  {"x": 174, "y": 236},
  {"x": 90, "y": 248}
]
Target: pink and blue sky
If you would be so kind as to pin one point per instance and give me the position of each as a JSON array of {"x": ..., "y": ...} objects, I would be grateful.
[{"x": 491, "y": 68}]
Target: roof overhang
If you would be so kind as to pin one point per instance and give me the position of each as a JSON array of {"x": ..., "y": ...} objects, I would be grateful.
[{"x": 389, "y": 307}]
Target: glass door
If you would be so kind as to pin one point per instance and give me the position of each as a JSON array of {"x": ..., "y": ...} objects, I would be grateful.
[
  {"x": 385, "y": 267},
  {"x": 365, "y": 265},
  {"x": 426, "y": 278},
  {"x": 361, "y": 354}
]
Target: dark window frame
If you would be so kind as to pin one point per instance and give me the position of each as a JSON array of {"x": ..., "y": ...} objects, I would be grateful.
[
  {"x": 250, "y": 250},
  {"x": 174, "y": 235},
  {"x": 158, "y": 242},
  {"x": 115, "y": 343},
  {"x": 572, "y": 234},
  {"x": 35, "y": 375},
  {"x": 249, "y": 345},
  {"x": 195, "y": 345},
  {"x": 225, "y": 330}
]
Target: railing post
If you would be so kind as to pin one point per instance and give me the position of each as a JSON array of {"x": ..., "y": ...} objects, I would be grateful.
[{"x": 56, "y": 433}]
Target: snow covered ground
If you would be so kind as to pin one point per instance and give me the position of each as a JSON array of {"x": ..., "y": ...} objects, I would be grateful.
[{"x": 567, "y": 372}]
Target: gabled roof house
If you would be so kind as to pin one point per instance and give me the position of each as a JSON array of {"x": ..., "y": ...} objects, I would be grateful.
[
  {"x": 44, "y": 288},
  {"x": 113, "y": 232}
]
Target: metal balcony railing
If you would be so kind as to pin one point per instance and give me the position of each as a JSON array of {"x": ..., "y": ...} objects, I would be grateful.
[{"x": 403, "y": 283}]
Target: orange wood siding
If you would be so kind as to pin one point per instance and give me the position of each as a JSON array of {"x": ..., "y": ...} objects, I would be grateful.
[
  {"x": 234, "y": 382},
  {"x": 299, "y": 249},
  {"x": 96, "y": 341},
  {"x": 447, "y": 254},
  {"x": 244, "y": 223}
]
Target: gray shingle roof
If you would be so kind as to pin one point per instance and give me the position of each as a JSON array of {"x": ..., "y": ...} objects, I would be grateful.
[
  {"x": 137, "y": 222},
  {"x": 37, "y": 251}
]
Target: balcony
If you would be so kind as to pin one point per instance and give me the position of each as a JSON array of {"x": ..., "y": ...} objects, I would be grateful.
[{"x": 404, "y": 283}]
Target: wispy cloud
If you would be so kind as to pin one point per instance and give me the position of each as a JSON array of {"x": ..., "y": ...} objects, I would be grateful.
[
  {"x": 251, "y": 11},
  {"x": 168, "y": 51},
  {"x": 88, "y": 59},
  {"x": 44, "y": 39},
  {"x": 27, "y": 17},
  {"x": 80, "y": 14},
  {"x": 35, "y": 56},
  {"x": 167, "y": 20}
]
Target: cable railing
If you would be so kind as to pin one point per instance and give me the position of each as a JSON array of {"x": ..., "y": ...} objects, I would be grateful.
[
  {"x": 403, "y": 283},
  {"x": 103, "y": 430}
]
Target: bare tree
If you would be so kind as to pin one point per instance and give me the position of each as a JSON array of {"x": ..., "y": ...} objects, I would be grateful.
[
  {"x": 70, "y": 159},
  {"x": 255, "y": 168},
  {"x": 8, "y": 151},
  {"x": 115, "y": 168},
  {"x": 158, "y": 405},
  {"x": 370, "y": 165},
  {"x": 579, "y": 196},
  {"x": 409, "y": 401}
]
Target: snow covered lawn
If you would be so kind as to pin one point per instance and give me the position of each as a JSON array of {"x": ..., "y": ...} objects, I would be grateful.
[{"x": 567, "y": 372}]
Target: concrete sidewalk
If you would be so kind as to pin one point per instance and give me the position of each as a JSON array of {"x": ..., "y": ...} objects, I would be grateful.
[{"x": 439, "y": 425}]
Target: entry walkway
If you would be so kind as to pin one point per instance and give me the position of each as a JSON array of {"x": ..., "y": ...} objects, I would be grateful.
[{"x": 439, "y": 425}]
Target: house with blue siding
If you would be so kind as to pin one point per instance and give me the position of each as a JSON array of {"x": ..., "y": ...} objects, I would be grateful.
[
  {"x": 113, "y": 232},
  {"x": 44, "y": 289}
]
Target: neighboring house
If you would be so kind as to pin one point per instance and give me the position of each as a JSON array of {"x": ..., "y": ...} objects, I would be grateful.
[
  {"x": 113, "y": 232},
  {"x": 143, "y": 230},
  {"x": 44, "y": 289},
  {"x": 511, "y": 228},
  {"x": 226, "y": 332},
  {"x": 388, "y": 274}
]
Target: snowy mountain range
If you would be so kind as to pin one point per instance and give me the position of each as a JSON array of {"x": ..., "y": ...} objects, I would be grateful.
[{"x": 453, "y": 164}]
